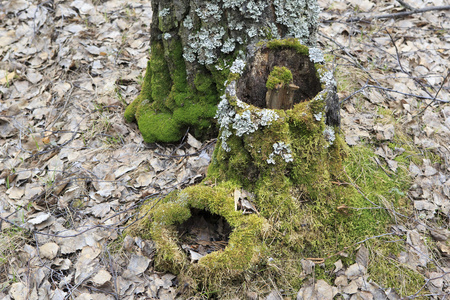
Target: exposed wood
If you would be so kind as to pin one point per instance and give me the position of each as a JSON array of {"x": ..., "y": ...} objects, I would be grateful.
[{"x": 282, "y": 97}]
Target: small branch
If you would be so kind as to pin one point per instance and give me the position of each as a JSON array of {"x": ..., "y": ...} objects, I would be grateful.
[
  {"x": 404, "y": 71},
  {"x": 406, "y": 5},
  {"x": 400, "y": 14},
  {"x": 393, "y": 91},
  {"x": 355, "y": 61},
  {"x": 440, "y": 88}
]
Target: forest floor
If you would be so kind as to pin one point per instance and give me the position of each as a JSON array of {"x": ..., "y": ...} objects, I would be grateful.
[{"x": 73, "y": 173}]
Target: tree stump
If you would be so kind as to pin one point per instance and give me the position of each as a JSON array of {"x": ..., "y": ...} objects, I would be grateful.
[
  {"x": 278, "y": 145},
  {"x": 267, "y": 162},
  {"x": 281, "y": 97}
]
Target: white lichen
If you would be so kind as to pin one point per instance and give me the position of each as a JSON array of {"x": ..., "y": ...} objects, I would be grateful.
[
  {"x": 228, "y": 46},
  {"x": 299, "y": 16},
  {"x": 281, "y": 149},
  {"x": 327, "y": 78},
  {"x": 189, "y": 56},
  {"x": 329, "y": 135},
  {"x": 224, "y": 115},
  {"x": 247, "y": 121},
  {"x": 267, "y": 116},
  {"x": 274, "y": 31},
  {"x": 241, "y": 104},
  {"x": 252, "y": 31},
  {"x": 204, "y": 44},
  {"x": 167, "y": 36},
  {"x": 188, "y": 22},
  {"x": 164, "y": 12},
  {"x": 222, "y": 25},
  {"x": 254, "y": 10},
  {"x": 238, "y": 66},
  {"x": 316, "y": 55},
  {"x": 209, "y": 10},
  {"x": 243, "y": 123},
  {"x": 318, "y": 116}
]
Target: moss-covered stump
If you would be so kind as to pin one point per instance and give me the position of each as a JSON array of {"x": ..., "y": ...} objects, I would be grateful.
[
  {"x": 307, "y": 194},
  {"x": 193, "y": 46}
]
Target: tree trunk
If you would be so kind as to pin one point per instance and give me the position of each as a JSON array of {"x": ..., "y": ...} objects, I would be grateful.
[{"x": 193, "y": 46}]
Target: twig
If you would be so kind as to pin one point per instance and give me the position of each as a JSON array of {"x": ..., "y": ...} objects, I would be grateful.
[
  {"x": 113, "y": 272},
  {"x": 440, "y": 88},
  {"x": 393, "y": 91},
  {"x": 382, "y": 168},
  {"x": 355, "y": 62},
  {"x": 405, "y": 5},
  {"x": 425, "y": 284},
  {"x": 400, "y": 14},
  {"x": 404, "y": 71}
]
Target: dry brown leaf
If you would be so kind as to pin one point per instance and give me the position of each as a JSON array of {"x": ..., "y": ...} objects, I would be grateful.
[
  {"x": 7, "y": 77},
  {"x": 362, "y": 256}
]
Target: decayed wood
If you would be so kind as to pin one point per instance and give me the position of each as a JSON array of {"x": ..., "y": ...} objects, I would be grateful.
[{"x": 281, "y": 97}]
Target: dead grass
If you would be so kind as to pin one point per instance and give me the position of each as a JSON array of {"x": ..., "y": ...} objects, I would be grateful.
[{"x": 11, "y": 241}]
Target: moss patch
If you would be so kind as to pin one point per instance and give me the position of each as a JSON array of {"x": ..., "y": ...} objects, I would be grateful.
[
  {"x": 288, "y": 43},
  {"x": 279, "y": 76},
  {"x": 167, "y": 104},
  {"x": 315, "y": 207}
]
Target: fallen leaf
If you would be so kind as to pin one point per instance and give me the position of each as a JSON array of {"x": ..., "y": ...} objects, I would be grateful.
[
  {"x": 39, "y": 218},
  {"x": 34, "y": 77},
  {"x": 49, "y": 250},
  {"x": 354, "y": 271},
  {"x": 18, "y": 291},
  {"x": 7, "y": 130},
  {"x": 15, "y": 6},
  {"x": 193, "y": 142},
  {"x": 101, "y": 278},
  {"x": 362, "y": 256},
  {"x": 7, "y": 77},
  {"x": 444, "y": 248},
  {"x": 138, "y": 264},
  {"x": 195, "y": 256}
]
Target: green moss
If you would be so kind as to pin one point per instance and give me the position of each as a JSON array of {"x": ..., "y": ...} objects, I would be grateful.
[
  {"x": 221, "y": 73},
  {"x": 168, "y": 105},
  {"x": 130, "y": 112},
  {"x": 388, "y": 272},
  {"x": 159, "y": 127},
  {"x": 288, "y": 43},
  {"x": 160, "y": 80},
  {"x": 310, "y": 208},
  {"x": 279, "y": 77},
  {"x": 243, "y": 246}
]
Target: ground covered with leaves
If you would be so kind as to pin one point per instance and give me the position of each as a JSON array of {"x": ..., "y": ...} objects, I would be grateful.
[{"x": 74, "y": 173}]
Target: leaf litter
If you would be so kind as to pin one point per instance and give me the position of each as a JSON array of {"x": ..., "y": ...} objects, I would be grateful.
[{"x": 74, "y": 173}]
